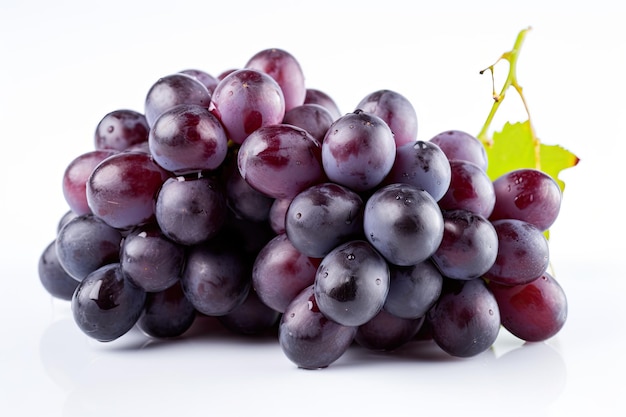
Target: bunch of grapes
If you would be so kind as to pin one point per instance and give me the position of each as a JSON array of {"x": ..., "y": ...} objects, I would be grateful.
[{"x": 251, "y": 198}]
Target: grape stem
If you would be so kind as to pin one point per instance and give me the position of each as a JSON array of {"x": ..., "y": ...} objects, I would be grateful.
[{"x": 512, "y": 57}]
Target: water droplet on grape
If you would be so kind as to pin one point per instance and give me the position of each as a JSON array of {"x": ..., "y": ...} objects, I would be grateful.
[
  {"x": 490, "y": 312},
  {"x": 292, "y": 315},
  {"x": 309, "y": 304},
  {"x": 110, "y": 129},
  {"x": 350, "y": 257},
  {"x": 378, "y": 281},
  {"x": 298, "y": 216}
]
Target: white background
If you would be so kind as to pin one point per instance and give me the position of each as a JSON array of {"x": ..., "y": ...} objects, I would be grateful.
[{"x": 65, "y": 64}]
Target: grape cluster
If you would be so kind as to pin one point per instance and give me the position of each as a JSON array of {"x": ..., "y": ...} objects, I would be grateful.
[{"x": 251, "y": 198}]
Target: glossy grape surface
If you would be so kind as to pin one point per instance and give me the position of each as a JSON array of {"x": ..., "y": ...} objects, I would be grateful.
[
  {"x": 403, "y": 223},
  {"x": 280, "y": 160},
  {"x": 244, "y": 200},
  {"x": 75, "y": 179},
  {"x": 85, "y": 244},
  {"x": 534, "y": 311},
  {"x": 469, "y": 247},
  {"x": 209, "y": 81},
  {"x": 54, "y": 279},
  {"x": 246, "y": 100},
  {"x": 396, "y": 110},
  {"x": 122, "y": 188},
  {"x": 280, "y": 272},
  {"x": 285, "y": 69},
  {"x": 322, "y": 217},
  {"x": 413, "y": 289},
  {"x": 215, "y": 279},
  {"x": 308, "y": 338},
  {"x": 167, "y": 313},
  {"x": 470, "y": 189},
  {"x": 313, "y": 118},
  {"x": 466, "y": 319},
  {"x": 351, "y": 283},
  {"x": 529, "y": 195},
  {"x": 150, "y": 260},
  {"x": 315, "y": 96},
  {"x": 191, "y": 210},
  {"x": 358, "y": 151},
  {"x": 105, "y": 305},
  {"x": 172, "y": 90},
  {"x": 121, "y": 129},
  {"x": 523, "y": 253},
  {"x": 424, "y": 165},
  {"x": 459, "y": 145},
  {"x": 187, "y": 138}
]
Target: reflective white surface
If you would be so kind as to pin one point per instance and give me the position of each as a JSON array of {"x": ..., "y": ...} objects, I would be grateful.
[{"x": 66, "y": 64}]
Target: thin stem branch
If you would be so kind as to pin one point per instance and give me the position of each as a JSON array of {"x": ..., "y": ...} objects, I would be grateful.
[{"x": 512, "y": 57}]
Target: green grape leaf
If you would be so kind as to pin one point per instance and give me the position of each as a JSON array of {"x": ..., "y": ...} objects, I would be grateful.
[{"x": 516, "y": 147}]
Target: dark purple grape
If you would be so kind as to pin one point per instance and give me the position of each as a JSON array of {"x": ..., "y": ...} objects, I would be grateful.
[
  {"x": 167, "y": 313},
  {"x": 280, "y": 272},
  {"x": 424, "y": 165},
  {"x": 413, "y": 289},
  {"x": 121, "y": 190},
  {"x": 529, "y": 195},
  {"x": 246, "y": 235},
  {"x": 69, "y": 215},
  {"x": 150, "y": 260},
  {"x": 245, "y": 201},
  {"x": 459, "y": 145},
  {"x": 280, "y": 160},
  {"x": 313, "y": 118},
  {"x": 188, "y": 138},
  {"x": 172, "y": 90},
  {"x": 403, "y": 223},
  {"x": 386, "y": 332},
  {"x": 523, "y": 253},
  {"x": 54, "y": 279},
  {"x": 470, "y": 189},
  {"x": 105, "y": 305},
  {"x": 75, "y": 179},
  {"x": 246, "y": 100},
  {"x": 535, "y": 311},
  {"x": 469, "y": 246},
  {"x": 120, "y": 129},
  {"x": 85, "y": 244},
  {"x": 351, "y": 283},
  {"x": 216, "y": 278},
  {"x": 225, "y": 73},
  {"x": 315, "y": 96},
  {"x": 252, "y": 317},
  {"x": 396, "y": 110},
  {"x": 358, "y": 151},
  {"x": 322, "y": 217},
  {"x": 209, "y": 81},
  {"x": 277, "y": 214},
  {"x": 285, "y": 69},
  {"x": 190, "y": 210},
  {"x": 308, "y": 338},
  {"x": 466, "y": 320}
]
